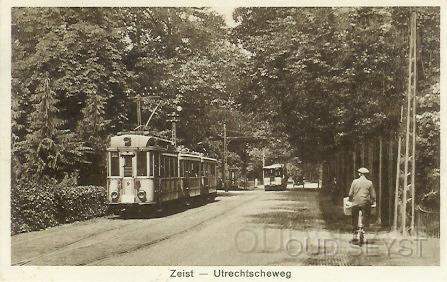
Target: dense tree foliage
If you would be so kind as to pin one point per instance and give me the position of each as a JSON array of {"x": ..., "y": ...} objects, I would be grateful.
[
  {"x": 94, "y": 62},
  {"x": 332, "y": 77},
  {"x": 306, "y": 81}
]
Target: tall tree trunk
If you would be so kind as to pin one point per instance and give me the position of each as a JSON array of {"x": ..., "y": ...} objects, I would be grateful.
[
  {"x": 390, "y": 182},
  {"x": 354, "y": 161},
  {"x": 362, "y": 156},
  {"x": 379, "y": 202}
]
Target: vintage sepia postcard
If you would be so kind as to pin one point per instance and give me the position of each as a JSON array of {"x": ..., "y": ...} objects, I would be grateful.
[{"x": 199, "y": 140}]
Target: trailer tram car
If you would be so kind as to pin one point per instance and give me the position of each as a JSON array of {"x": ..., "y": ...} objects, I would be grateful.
[
  {"x": 275, "y": 177},
  {"x": 145, "y": 171}
]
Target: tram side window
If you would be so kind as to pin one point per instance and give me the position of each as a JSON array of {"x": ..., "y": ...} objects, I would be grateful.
[
  {"x": 162, "y": 166},
  {"x": 168, "y": 167},
  {"x": 156, "y": 165},
  {"x": 191, "y": 169},
  {"x": 195, "y": 169},
  {"x": 142, "y": 164},
  {"x": 171, "y": 167},
  {"x": 114, "y": 164},
  {"x": 205, "y": 169},
  {"x": 278, "y": 173},
  {"x": 187, "y": 168}
]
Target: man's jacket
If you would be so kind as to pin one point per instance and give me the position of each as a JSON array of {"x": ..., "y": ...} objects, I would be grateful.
[{"x": 362, "y": 192}]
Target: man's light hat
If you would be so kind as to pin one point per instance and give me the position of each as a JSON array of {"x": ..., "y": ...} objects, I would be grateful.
[{"x": 363, "y": 170}]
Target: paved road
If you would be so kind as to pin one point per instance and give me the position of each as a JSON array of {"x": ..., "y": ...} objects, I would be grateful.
[{"x": 298, "y": 227}]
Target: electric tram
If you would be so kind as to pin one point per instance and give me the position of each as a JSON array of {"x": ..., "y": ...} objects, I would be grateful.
[
  {"x": 145, "y": 171},
  {"x": 275, "y": 177}
]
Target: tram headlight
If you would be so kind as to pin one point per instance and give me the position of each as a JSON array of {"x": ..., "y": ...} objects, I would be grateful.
[
  {"x": 114, "y": 195},
  {"x": 141, "y": 195}
]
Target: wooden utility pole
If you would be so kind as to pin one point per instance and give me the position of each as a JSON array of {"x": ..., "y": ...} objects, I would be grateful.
[
  {"x": 263, "y": 165},
  {"x": 173, "y": 118},
  {"x": 226, "y": 141},
  {"x": 138, "y": 98},
  {"x": 224, "y": 157}
]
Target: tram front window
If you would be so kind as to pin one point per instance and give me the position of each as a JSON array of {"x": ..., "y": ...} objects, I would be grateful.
[
  {"x": 278, "y": 172},
  {"x": 273, "y": 172},
  {"x": 114, "y": 164},
  {"x": 268, "y": 172},
  {"x": 142, "y": 164},
  {"x": 128, "y": 166}
]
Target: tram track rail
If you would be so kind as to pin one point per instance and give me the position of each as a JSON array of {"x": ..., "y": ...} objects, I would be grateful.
[
  {"x": 173, "y": 235},
  {"x": 191, "y": 213}
]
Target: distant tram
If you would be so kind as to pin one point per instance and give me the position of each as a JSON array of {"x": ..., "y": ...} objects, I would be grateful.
[
  {"x": 275, "y": 177},
  {"x": 145, "y": 171}
]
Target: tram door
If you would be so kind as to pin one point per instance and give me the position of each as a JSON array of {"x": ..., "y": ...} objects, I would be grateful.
[
  {"x": 205, "y": 183},
  {"x": 272, "y": 176},
  {"x": 157, "y": 179},
  {"x": 128, "y": 183}
]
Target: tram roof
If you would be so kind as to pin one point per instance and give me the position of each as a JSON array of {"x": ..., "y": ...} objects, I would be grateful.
[
  {"x": 132, "y": 140},
  {"x": 137, "y": 141},
  {"x": 274, "y": 166},
  {"x": 195, "y": 156},
  {"x": 209, "y": 159}
]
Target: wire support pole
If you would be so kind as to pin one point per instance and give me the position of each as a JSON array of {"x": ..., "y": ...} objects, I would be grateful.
[
  {"x": 410, "y": 125},
  {"x": 413, "y": 159}
]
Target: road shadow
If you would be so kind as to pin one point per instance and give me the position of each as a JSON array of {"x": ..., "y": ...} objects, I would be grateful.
[
  {"x": 334, "y": 218},
  {"x": 228, "y": 194},
  {"x": 306, "y": 210},
  {"x": 167, "y": 210},
  {"x": 299, "y": 214}
]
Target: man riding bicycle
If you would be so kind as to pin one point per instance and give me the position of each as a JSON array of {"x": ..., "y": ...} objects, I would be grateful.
[{"x": 362, "y": 195}]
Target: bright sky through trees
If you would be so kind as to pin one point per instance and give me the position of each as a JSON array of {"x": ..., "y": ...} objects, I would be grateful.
[{"x": 227, "y": 12}]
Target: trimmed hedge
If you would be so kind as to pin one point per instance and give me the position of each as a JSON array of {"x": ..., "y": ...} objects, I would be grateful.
[
  {"x": 38, "y": 206},
  {"x": 33, "y": 207},
  {"x": 80, "y": 203}
]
